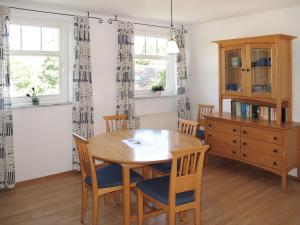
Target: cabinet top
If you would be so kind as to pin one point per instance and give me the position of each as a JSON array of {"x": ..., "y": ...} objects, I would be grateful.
[
  {"x": 253, "y": 122},
  {"x": 264, "y": 38}
]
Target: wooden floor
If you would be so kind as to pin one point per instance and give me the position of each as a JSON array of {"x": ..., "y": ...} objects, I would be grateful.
[{"x": 233, "y": 194}]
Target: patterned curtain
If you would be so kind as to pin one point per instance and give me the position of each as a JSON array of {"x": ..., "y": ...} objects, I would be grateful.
[
  {"x": 7, "y": 167},
  {"x": 125, "y": 72},
  {"x": 183, "y": 99},
  {"x": 83, "y": 120}
]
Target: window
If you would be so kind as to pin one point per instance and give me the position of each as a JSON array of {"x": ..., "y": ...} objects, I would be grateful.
[
  {"x": 153, "y": 66},
  {"x": 39, "y": 56}
]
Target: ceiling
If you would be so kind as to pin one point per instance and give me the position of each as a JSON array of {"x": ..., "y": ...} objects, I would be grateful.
[{"x": 185, "y": 11}]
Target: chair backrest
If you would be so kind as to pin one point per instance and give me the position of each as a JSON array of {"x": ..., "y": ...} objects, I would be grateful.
[
  {"x": 188, "y": 127},
  {"x": 87, "y": 165},
  {"x": 115, "y": 123},
  {"x": 204, "y": 110},
  {"x": 186, "y": 172}
]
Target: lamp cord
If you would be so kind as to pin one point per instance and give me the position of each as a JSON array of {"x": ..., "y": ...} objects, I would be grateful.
[{"x": 172, "y": 14}]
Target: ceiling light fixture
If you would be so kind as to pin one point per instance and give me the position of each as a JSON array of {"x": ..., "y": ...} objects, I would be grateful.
[{"x": 172, "y": 47}]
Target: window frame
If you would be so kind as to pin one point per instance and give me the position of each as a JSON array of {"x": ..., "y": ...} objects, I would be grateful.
[
  {"x": 63, "y": 54},
  {"x": 170, "y": 65}
]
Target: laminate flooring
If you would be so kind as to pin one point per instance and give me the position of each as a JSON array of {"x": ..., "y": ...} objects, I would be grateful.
[{"x": 233, "y": 194}]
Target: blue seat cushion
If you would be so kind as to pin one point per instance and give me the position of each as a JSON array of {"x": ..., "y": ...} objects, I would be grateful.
[
  {"x": 200, "y": 134},
  {"x": 158, "y": 189},
  {"x": 111, "y": 175},
  {"x": 162, "y": 167}
]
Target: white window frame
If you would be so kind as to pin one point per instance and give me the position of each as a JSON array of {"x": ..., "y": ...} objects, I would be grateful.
[
  {"x": 64, "y": 53},
  {"x": 171, "y": 66}
]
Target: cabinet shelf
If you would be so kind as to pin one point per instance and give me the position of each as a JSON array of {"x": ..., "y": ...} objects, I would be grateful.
[
  {"x": 257, "y": 101},
  {"x": 234, "y": 67},
  {"x": 261, "y": 67}
]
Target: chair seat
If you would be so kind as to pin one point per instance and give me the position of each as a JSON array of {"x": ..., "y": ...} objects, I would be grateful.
[
  {"x": 200, "y": 134},
  {"x": 111, "y": 175},
  {"x": 158, "y": 189},
  {"x": 162, "y": 167}
]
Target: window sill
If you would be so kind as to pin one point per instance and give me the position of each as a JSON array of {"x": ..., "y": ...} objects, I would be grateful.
[
  {"x": 46, "y": 104},
  {"x": 148, "y": 96}
]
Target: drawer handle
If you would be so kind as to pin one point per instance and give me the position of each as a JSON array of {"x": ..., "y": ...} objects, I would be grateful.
[
  {"x": 234, "y": 141},
  {"x": 244, "y": 155},
  {"x": 275, "y": 138},
  {"x": 233, "y": 152},
  {"x": 244, "y": 132},
  {"x": 209, "y": 124},
  {"x": 275, "y": 151},
  {"x": 244, "y": 143},
  {"x": 275, "y": 163},
  {"x": 209, "y": 135},
  {"x": 234, "y": 130}
]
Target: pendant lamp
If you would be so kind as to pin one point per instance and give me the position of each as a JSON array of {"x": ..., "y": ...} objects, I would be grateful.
[{"x": 172, "y": 47}]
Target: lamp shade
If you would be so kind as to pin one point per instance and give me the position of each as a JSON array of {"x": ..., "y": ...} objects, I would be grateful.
[{"x": 172, "y": 47}]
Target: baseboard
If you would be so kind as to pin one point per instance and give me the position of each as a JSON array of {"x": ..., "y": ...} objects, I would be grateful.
[{"x": 46, "y": 178}]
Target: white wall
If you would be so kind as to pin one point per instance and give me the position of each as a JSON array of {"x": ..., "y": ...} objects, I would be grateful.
[
  {"x": 42, "y": 137},
  {"x": 42, "y": 141},
  {"x": 204, "y": 54}
]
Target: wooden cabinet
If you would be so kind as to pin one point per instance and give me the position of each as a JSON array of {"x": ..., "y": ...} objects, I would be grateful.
[
  {"x": 257, "y": 69},
  {"x": 256, "y": 74},
  {"x": 259, "y": 143}
]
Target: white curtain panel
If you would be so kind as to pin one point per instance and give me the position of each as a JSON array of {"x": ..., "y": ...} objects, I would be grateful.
[
  {"x": 83, "y": 111},
  {"x": 183, "y": 98},
  {"x": 125, "y": 72},
  {"x": 7, "y": 166}
]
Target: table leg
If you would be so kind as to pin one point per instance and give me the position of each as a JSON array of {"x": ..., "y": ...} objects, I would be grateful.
[
  {"x": 126, "y": 190},
  {"x": 298, "y": 156}
]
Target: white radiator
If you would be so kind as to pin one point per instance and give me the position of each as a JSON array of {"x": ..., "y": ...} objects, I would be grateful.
[{"x": 165, "y": 121}]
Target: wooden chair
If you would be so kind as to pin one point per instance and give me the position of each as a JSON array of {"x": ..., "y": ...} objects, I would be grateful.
[
  {"x": 107, "y": 179},
  {"x": 188, "y": 127},
  {"x": 178, "y": 192},
  {"x": 202, "y": 111},
  {"x": 115, "y": 123}
]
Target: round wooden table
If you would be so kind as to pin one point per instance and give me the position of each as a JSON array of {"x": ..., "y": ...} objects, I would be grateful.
[{"x": 146, "y": 146}]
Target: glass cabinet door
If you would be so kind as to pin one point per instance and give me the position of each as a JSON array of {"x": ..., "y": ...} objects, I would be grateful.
[
  {"x": 232, "y": 70},
  {"x": 261, "y": 70}
]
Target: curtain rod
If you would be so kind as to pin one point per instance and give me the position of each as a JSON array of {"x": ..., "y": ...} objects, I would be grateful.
[
  {"x": 115, "y": 19},
  {"x": 100, "y": 20}
]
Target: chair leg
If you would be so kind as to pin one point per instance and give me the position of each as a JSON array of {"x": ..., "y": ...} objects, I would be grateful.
[
  {"x": 84, "y": 202},
  {"x": 95, "y": 209},
  {"x": 140, "y": 205},
  {"x": 206, "y": 159},
  {"x": 197, "y": 216},
  {"x": 171, "y": 217}
]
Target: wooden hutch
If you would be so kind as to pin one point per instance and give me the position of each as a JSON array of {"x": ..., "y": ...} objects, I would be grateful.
[{"x": 255, "y": 74}]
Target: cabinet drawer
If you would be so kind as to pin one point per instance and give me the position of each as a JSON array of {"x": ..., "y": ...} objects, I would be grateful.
[
  {"x": 225, "y": 149},
  {"x": 224, "y": 127},
  {"x": 261, "y": 146},
  {"x": 225, "y": 138},
  {"x": 261, "y": 159},
  {"x": 261, "y": 134}
]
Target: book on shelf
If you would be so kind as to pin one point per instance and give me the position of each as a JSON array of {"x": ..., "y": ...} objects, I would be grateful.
[{"x": 245, "y": 110}]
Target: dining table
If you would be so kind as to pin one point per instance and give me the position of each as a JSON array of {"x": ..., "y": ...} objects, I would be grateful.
[{"x": 137, "y": 148}]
